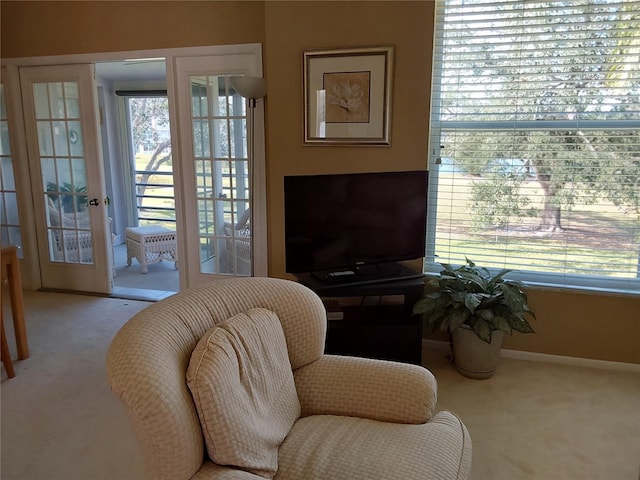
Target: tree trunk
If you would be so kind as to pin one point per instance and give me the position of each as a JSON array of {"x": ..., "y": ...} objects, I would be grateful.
[
  {"x": 550, "y": 221},
  {"x": 551, "y": 216}
]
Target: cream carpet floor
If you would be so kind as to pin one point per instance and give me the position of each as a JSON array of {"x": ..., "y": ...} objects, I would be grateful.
[{"x": 532, "y": 420}]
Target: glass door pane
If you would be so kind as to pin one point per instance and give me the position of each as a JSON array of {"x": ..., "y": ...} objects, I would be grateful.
[
  {"x": 221, "y": 168},
  {"x": 64, "y": 176}
]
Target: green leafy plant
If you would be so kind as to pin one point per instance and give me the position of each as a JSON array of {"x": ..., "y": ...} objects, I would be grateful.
[
  {"x": 471, "y": 295},
  {"x": 66, "y": 195}
]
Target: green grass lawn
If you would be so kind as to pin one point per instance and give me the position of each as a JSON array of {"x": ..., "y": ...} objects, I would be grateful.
[{"x": 596, "y": 239}]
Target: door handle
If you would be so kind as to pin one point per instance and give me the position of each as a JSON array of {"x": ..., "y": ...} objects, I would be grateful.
[{"x": 94, "y": 202}]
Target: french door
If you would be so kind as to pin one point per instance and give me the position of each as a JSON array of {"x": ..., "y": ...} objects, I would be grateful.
[
  {"x": 72, "y": 230},
  {"x": 222, "y": 183}
]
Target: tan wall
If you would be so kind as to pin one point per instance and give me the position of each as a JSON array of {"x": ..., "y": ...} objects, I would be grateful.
[
  {"x": 296, "y": 26},
  {"x": 572, "y": 324},
  {"x": 59, "y": 28},
  {"x": 582, "y": 325}
]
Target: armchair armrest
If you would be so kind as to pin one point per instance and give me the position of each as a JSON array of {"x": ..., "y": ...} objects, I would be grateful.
[{"x": 362, "y": 387}]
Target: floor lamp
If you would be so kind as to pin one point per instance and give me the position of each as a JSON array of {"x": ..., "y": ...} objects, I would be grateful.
[{"x": 251, "y": 88}]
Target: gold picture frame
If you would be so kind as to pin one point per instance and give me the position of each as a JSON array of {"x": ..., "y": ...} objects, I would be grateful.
[{"x": 347, "y": 96}]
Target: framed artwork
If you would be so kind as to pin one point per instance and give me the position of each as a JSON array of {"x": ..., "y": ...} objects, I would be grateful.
[{"x": 347, "y": 96}]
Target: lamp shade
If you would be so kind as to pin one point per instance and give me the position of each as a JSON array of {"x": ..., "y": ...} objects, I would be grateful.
[{"x": 249, "y": 87}]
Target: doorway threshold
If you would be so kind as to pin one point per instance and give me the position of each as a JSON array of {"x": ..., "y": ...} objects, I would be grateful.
[{"x": 140, "y": 294}]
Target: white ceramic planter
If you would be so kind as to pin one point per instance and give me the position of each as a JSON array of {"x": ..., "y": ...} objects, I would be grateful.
[{"x": 474, "y": 358}]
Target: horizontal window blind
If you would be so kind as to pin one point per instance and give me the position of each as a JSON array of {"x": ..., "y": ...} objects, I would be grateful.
[{"x": 535, "y": 140}]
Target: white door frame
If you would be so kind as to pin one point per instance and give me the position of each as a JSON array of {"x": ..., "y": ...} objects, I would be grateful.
[
  {"x": 31, "y": 270},
  {"x": 29, "y": 265}
]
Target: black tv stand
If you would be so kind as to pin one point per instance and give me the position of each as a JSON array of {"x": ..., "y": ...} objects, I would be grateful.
[
  {"x": 375, "y": 329},
  {"x": 367, "y": 274}
]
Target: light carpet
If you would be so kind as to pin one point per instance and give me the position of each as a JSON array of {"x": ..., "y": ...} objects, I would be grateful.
[{"x": 530, "y": 421}]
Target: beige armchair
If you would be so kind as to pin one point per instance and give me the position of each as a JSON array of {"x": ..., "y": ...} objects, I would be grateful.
[{"x": 354, "y": 418}]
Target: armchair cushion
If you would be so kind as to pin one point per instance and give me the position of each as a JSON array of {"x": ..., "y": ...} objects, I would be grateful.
[
  {"x": 242, "y": 384},
  {"x": 329, "y": 447}
]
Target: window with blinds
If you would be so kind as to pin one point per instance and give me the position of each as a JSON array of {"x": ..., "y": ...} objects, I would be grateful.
[{"x": 535, "y": 140}]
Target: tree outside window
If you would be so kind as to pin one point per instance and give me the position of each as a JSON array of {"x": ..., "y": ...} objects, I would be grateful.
[{"x": 537, "y": 113}]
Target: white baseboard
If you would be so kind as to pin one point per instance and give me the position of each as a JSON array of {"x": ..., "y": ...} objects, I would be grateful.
[{"x": 543, "y": 357}]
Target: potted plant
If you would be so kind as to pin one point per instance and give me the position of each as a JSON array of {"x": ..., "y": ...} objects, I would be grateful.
[{"x": 476, "y": 308}]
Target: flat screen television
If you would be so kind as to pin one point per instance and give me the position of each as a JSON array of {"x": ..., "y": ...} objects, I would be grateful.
[{"x": 344, "y": 227}]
